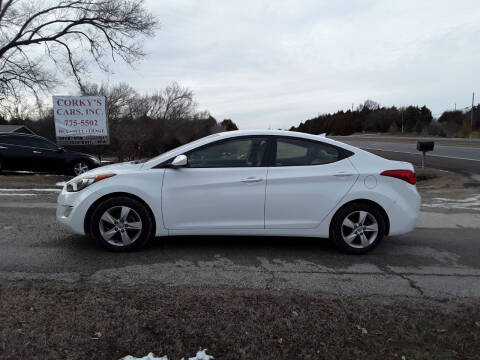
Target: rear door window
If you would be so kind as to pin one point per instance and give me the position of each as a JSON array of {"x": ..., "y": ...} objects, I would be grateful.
[{"x": 300, "y": 152}]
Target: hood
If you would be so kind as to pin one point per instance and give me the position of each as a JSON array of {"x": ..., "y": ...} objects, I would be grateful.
[{"x": 114, "y": 168}]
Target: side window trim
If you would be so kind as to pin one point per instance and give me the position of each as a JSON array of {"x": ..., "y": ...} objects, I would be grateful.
[{"x": 344, "y": 153}]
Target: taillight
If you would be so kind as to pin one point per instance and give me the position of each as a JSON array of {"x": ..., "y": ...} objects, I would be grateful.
[{"x": 405, "y": 175}]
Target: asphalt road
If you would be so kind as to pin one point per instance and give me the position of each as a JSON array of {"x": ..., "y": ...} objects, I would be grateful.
[
  {"x": 439, "y": 259},
  {"x": 460, "y": 158}
]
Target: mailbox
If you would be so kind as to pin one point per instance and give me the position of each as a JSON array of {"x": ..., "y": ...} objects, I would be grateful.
[{"x": 425, "y": 146}]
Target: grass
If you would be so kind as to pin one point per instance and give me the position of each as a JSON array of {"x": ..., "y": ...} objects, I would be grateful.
[
  {"x": 475, "y": 135},
  {"x": 86, "y": 321}
]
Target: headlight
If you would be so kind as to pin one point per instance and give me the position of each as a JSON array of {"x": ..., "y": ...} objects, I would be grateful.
[{"x": 81, "y": 183}]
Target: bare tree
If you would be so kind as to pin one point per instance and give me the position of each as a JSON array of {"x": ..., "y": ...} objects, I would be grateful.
[
  {"x": 121, "y": 98},
  {"x": 172, "y": 103},
  {"x": 38, "y": 38}
]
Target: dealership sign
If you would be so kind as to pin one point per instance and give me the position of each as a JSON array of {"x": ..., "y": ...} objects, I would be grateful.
[{"x": 80, "y": 120}]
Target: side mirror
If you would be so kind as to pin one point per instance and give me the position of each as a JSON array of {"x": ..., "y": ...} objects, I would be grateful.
[
  {"x": 60, "y": 150},
  {"x": 179, "y": 161}
]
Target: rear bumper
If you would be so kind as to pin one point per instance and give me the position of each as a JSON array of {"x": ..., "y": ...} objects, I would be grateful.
[
  {"x": 72, "y": 208},
  {"x": 404, "y": 212}
]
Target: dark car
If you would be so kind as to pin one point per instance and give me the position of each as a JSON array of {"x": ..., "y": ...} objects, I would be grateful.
[{"x": 35, "y": 153}]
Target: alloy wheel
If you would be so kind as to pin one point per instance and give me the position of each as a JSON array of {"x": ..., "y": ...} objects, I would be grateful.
[
  {"x": 359, "y": 229},
  {"x": 120, "y": 226},
  {"x": 80, "y": 168}
]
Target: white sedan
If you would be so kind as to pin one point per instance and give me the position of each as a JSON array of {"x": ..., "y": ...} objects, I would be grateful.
[{"x": 262, "y": 182}]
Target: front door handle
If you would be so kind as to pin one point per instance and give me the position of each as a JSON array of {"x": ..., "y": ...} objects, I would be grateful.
[
  {"x": 251, "y": 179},
  {"x": 36, "y": 152},
  {"x": 3, "y": 147},
  {"x": 342, "y": 174}
]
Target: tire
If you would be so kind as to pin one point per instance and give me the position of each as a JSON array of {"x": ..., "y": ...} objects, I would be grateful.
[
  {"x": 121, "y": 224},
  {"x": 79, "y": 167},
  {"x": 354, "y": 236}
]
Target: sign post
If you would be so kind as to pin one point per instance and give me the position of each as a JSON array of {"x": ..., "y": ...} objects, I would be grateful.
[{"x": 80, "y": 120}]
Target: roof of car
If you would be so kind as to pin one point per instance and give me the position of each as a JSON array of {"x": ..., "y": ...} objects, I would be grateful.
[
  {"x": 269, "y": 132},
  {"x": 320, "y": 137}
]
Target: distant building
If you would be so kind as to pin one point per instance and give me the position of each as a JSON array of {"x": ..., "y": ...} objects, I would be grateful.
[{"x": 15, "y": 129}]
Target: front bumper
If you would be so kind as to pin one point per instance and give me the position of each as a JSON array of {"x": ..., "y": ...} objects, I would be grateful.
[{"x": 72, "y": 208}]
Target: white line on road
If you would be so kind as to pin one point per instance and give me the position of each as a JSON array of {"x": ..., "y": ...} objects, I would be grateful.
[
  {"x": 28, "y": 205},
  {"x": 16, "y": 194},
  {"x": 35, "y": 190}
]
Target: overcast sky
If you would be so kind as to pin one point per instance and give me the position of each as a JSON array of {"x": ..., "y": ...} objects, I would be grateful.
[{"x": 275, "y": 63}]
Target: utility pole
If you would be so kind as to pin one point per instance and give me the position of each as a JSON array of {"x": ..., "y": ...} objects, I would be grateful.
[
  {"x": 402, "y": 121},
  {"x": 455, "y": 106},
  {"x": 471, "y": 115}
]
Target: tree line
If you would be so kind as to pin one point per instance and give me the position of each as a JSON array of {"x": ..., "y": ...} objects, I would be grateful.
[
  {"x": 372, "y": 117},
  {"x": 140, "y": 126}
]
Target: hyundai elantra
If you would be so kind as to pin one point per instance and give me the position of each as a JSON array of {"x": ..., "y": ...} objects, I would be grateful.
[{"x": 246, "y": 183}]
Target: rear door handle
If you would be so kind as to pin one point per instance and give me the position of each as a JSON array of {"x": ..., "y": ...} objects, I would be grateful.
[
  {"x": 3, "y": 147},
  {"x": 36, "y": 152},
  {"x": 251, "y": 179}
]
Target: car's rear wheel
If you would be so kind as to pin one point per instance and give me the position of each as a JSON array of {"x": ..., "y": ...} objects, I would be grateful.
[
  {"x": 358, "y": 228},
  {"x": 121, "y": 224},
  {"x": 79, "y": 167}
]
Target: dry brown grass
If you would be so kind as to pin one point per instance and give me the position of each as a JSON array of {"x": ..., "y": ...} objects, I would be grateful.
[{"x": 72, "y": 321}]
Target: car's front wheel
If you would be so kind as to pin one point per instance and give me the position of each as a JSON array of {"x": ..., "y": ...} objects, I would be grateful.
[
  {"x": 358, "y": 228},
  {"x": 121, "y": 224}
]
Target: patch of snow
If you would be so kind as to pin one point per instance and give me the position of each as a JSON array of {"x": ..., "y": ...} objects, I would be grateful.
[
  {"x": 150, "y": 356},
  {"x": 201, "y": 355},
  {"x": 469, "y": 203}
]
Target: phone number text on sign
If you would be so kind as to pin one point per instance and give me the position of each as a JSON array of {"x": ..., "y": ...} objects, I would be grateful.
[
  {"x": 81, "y": 123},
  {"x": 80, "y": 120}
]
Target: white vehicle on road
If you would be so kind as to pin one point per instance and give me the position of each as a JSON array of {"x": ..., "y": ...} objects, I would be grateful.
[{"x": 251, "y": 182}]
